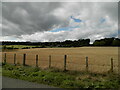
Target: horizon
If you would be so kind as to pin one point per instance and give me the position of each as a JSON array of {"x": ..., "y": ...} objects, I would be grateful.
[{"x": 61, "y": 41}]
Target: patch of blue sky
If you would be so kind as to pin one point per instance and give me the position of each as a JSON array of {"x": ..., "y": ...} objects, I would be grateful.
[
  {"x": 76, "y": 20},
  {"x": 64, "y": 29},
  {"x": 114, "y": 34},
  {"x": 119, "y": 33},
  {"x": 102, "y": 20}
]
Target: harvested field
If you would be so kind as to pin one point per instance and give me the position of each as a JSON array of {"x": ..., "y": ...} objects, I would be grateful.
[{"x": 99, "y": 58}]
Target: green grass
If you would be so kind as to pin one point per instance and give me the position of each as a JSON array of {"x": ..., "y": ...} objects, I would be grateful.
[
  {"x": 0, "y": 70},
  {"x": 57, "y": 78},
  {"x": 17, "y": 46},
  {"x": 30, "y": 46}
]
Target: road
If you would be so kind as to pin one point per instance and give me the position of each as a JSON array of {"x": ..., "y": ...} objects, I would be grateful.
[{"x": 16, "y": 83}]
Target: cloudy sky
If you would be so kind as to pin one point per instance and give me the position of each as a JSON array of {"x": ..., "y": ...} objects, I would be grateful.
[{"x": 58, "y": 21}]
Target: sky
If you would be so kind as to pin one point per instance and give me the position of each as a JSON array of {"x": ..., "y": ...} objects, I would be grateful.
[{"x": 58, "y": 21}]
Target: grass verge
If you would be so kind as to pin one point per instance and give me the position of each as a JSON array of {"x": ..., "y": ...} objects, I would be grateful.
[{"x": 57, "y": 78}]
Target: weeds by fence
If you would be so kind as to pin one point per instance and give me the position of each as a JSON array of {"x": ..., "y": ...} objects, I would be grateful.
[{"x": 37, "y": 61}]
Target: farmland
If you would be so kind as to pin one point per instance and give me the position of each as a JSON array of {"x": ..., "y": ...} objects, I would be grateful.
[
  {"x": 99, "y": 58},
  {"x": 16, "y": 46}
]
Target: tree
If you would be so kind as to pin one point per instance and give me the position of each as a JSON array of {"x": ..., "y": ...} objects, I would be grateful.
[
  {"x": 4, "y": 47},
  {"x": 108, "y": 41},
  {"x": 102, "y": 43},
  {"x": 96, "y": 43},
  {"x": 116, "y": 42}
]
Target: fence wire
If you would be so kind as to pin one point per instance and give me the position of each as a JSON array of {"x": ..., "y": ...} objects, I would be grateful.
[{"x": 73, "y": 62}]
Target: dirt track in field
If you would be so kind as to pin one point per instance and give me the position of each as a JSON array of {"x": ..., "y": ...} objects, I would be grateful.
[{"x": 99, "y": 57}]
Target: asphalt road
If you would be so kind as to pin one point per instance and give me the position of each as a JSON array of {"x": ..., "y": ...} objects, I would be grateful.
[{"x": 16, "y": 83}]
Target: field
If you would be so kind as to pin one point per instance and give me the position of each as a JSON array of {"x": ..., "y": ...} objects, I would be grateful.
[
  {"x": 17, "y": 46},
  {"x": 99, "y": 58}
]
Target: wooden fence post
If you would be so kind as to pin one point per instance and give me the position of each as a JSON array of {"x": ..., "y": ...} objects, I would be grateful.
[
  {"x": 87, "y": 64},
  {"x": 36, "y": 60},
  {"x": 15, "y": 59},
  {"x": 111, "y": 64},
  {"x": 5, "y": 58},
  {"x": 24, "y": 58},
  {"x": 65, "y": 58},
  {"x": 49, "y": 61}
]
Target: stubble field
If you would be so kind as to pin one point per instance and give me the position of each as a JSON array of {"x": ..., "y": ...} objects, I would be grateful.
[{"x": 99, "y": 58}]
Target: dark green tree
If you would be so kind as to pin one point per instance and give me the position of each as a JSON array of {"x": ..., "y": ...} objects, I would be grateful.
[
  {"x": 96, "y": 43},
  {"x": 116, "y": 42}
]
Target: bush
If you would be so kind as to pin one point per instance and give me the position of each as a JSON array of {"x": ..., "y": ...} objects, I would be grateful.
[
  {"x": 8, "y": 67},
  {"x": 48, "y": 79},
  {"x": 68, "y": 84},
  {"x": 32, "y": 69},
  {"x": 16, "y": 73},
  {"x": 34, "y": 74}
]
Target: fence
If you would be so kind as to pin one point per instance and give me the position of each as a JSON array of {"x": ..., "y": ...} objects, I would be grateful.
[{"x": 64, "y": 62}]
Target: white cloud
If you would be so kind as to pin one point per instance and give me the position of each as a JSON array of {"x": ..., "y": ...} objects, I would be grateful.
[
  {"x": 10, "y": 38},
  {"x": 61, "y": 1},
  {"x": 77, "y": 33},
  {"x": 33, "y": 21}
]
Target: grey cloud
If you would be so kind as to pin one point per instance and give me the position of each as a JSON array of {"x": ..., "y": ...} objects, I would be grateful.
[
  {"x": 111, "y": 9},
  {"x": 33, "y": 19}
]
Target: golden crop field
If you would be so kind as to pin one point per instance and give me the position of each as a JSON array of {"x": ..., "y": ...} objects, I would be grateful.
[{"x": 99, "y": 58}]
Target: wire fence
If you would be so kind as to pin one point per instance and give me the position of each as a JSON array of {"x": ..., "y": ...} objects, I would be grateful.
[{"x": 64, "y": 62}]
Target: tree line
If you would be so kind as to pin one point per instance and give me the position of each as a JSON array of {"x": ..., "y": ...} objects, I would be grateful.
[
  {"x": 69, "y": 43},
  {"x": 107, "y": 42}
]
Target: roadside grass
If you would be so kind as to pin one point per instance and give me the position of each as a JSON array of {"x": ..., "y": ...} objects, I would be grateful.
[
  {"x": 62, "y": 79},
  {"x": 0, "y": 71}
]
